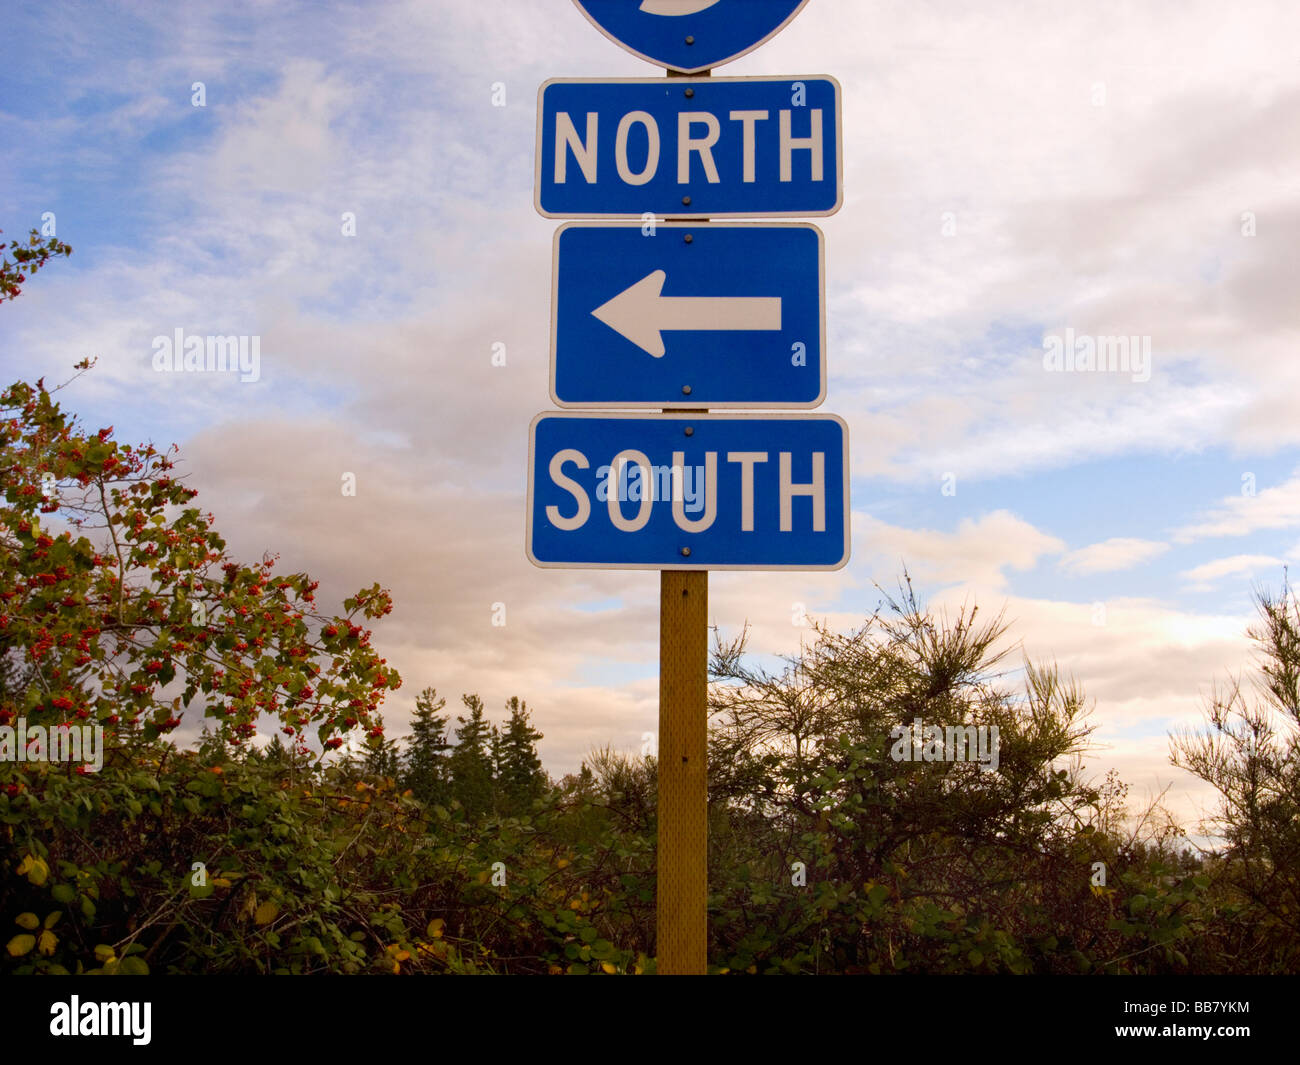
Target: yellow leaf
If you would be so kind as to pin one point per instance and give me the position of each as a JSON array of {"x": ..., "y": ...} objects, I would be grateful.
[
  {"x": 220, "y": 882},
  {"x": 403, "y": 955},
  {"x": 47, "y": 943},
  {"x": 27, "y": 920},
  {"x": 554, "y": 970},
  {"x": 434, "y": 931},
  {"x": 266, "y": 912},
  {"x": 562, "y": 863},
  {"x": 608, "y": 968},
  {"x": 20, "y": 945},
  {"x": 34, "y": 869}
]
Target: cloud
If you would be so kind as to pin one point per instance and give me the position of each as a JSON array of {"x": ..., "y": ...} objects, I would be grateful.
[
  {"x": 1273, "y": 508},
  {"x": 976, "y": 554},
  {"x": 1117, "y": 553},
  {"x": 1236, "y": 566}
]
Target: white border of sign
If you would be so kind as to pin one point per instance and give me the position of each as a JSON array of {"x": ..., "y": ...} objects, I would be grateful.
[
  {"x": 686, "y": 82},
  {"x": 696, "y": 403},
  {"x": 688, "y": 70},
  {"x": 589, "y": 415}
]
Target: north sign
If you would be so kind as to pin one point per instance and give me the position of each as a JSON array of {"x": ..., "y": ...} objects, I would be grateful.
[
  {"x": 688, "y": 491},
  {"x": 688, "y": 147},
  {"x": 684, "y": 315},
  {"x": 689, "y": 35}
]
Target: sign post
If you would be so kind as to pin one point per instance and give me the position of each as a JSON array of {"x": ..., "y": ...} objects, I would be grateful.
[
  {"x": 681, "y": 896},
  {"x": 678, "y": 315},
  {"x": 682, "y": 766}
]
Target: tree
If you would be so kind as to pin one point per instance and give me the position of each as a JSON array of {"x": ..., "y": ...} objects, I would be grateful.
[
  {"x": 1250, "y": 754},
  {"x": 27, "y": 261},
  {"x": 520, "y": 777},
  {"x": 425, "y": 768},
  {"x": 382, "y": 758},
  {"x": 471, "y": 761},
  {"x": 138, "y": 595}
]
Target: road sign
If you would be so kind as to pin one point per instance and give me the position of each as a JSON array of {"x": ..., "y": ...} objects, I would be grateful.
[
  {"x": 689, "y": 35},
  {"x": 685, "y": 315},
  {"x": 688, "y": 147},
  {"x": 688, "y": 491}
]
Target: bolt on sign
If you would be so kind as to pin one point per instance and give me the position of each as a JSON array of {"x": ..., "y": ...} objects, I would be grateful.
[{"x": 662, "y": 313}]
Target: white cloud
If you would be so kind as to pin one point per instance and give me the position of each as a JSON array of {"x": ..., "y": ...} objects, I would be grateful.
[
  {"x": 1117, "y": 553},
  {"x": 976, "y": 554},
  {"x": 1236, "y": 566},
  {"x": 1277, "y": 507}
]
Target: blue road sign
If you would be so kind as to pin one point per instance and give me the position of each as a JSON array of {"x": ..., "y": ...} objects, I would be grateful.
[
  {"x": 690, "y": 35},
  {"x": 688, "y": 147},
  {"x": 685, "y": 315},
  {"x": 688, "y": 491}
]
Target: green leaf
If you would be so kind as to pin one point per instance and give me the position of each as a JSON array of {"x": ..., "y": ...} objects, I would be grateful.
[{"x": 20, "y": 945}]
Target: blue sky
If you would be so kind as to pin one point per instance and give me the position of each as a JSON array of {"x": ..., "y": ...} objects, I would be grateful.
[{"x": 1008, "y": 176}]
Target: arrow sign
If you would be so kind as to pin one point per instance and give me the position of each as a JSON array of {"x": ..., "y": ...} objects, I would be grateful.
[
  {"x": 640, "y": 313},
  {"x": 682, "y": 315},
  {"x": 688, "y": 147},
  {"x": 689, "y": 35},
  {"x": 688, "y": 491}
]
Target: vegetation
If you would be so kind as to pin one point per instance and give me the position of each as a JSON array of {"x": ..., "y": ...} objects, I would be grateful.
[{"x": 120, "y": 607}]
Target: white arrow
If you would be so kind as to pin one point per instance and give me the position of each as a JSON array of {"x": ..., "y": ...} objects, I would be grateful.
[
  {"x": 640, "y": 312},
  {"x": 675, "y": 8}
]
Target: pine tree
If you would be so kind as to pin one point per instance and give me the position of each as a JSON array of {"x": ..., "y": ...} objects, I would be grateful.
[
  {"x": 276, "y": 753},
  {"x": 520, "y": 778},
  {"x": 426, "y": 770},
  {"x": 381, "y": 759},
  {"x": 471, "y": 762}
]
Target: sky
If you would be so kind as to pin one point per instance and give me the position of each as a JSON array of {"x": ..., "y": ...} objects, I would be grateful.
[{"x": 1011, "y": 172}]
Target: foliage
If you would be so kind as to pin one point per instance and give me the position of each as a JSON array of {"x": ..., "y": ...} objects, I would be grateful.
[
  {"x": 425, "y": 767},
  {"x": 27, "y": 260},
  {"x": 1250, "y": 754}
]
